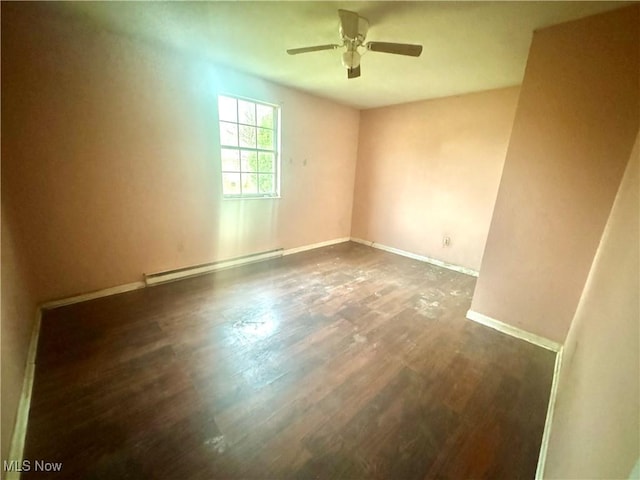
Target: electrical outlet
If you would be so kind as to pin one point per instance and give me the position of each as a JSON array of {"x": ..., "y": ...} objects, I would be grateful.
[{"x": 446, "y": 241}]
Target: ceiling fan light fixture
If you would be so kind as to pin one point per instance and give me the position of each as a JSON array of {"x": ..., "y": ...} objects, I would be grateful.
[
  {"x": 351, "y": 58},
  {"x": 353, "y": 31}
]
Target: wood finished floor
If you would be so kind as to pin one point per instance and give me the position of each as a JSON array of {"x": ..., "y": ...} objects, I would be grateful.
[{"x": 341, "y": 362}]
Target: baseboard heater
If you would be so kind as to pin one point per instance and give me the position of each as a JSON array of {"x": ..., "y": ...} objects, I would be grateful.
[{"x": 169, "y": 275}]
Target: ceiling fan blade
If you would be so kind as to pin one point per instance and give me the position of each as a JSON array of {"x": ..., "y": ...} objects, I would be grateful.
[
  {"x": 316, "y": 48},
  {"x": 397, "y": 48},
  {"x": 349, "y": 22},
  {"x": 353, "y": 72}
]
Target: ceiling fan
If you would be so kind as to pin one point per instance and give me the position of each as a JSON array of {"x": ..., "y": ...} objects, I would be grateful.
[{"x": 353, "y": 30}]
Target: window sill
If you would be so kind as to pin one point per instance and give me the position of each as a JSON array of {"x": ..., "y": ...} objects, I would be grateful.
[{"x": 274, "y": 197}]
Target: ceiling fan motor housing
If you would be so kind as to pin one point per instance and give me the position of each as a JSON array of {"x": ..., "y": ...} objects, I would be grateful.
[{"x": 363, "y": 28}]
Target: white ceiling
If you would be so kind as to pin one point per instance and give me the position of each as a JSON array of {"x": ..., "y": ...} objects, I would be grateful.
[{"x": 468, "y": 46}]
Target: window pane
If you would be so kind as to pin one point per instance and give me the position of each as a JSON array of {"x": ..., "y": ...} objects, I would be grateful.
[
  {"x": 228, "y": 109},
  {"x": 249, "y": 161},
  {"x": 231, "y": 184},
  {"x": 266, "y": 183},
  {"x": 228, "y": 134},
  {"x": 265, "y": 139},
  {"x": 248, "y": 143},
  {"x": 249, "y": 183},
  {"x": 265, "y": 116},
  {"x": 265, "y": 162},
  {"x": 230, "y": 160},
  {"x": 247, "y": 136},
  {"x": 247, "y": 112}
]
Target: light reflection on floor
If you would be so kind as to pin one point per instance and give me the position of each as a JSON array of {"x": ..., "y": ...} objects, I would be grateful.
[{"x": 258, "y": 327}]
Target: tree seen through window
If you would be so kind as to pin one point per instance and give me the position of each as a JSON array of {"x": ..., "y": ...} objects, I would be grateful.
[{"x": 248, "y": 147}]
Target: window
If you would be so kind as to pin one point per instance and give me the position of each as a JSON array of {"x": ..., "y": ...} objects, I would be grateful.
[{"x": 248, "y": 148}]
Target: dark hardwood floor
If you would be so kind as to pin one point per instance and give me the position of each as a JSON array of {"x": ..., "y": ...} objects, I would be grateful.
[{"x": 341, "y": 362}]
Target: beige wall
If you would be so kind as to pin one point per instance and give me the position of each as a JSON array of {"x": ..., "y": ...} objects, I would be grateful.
[
  {"x": 432, "y": 168},
  {"x": 574, "y": 128},
  {"x": 596, "y": 423},
  {"x": 110, "y": 151},
  {"x": 18, "y": 314}
]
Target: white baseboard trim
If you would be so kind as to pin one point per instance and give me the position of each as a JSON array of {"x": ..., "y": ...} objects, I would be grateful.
[
  {"x": 171, "y": 275},
  {"x": 415, "y": 256},
  {"x": 106, "y": 292},
  {"x": 162, "y": 277},
  {"x": 542, "y": 458},
  {"x": 304, "y": 248},
  {"x": 363, "y": 242},
  {"x": 540, "y": 342},
  {"x": 514, "y": 331},
  {"x": 16, "y": 450}
]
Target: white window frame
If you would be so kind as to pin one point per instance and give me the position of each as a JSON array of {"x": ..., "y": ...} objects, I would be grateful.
[{"x": 275, "y": 193}]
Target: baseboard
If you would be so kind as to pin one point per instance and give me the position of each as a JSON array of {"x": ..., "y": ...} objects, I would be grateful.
[
  {"x": 178, "y": 274},
  {"x": 106, "y": 292},
  {"x": 542, "y": 458},
  {"x": 540, "y": 342},
  {"x": 16, "y": 450},
  {"x": 161, "y": 277},
  {"x": 171, "y": 275},
  {"x": 415, "y": 256},
  {"x": 514, "y": 331},
  {"x": 304, "y": 248}
]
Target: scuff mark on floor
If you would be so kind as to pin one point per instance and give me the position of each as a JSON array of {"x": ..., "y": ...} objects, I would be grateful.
[
  {"x": 429, "y": 309},
  {"x": 218, "y": 444},
  {"x": 359, "y": 338}
]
